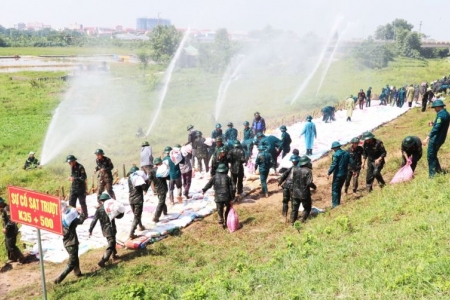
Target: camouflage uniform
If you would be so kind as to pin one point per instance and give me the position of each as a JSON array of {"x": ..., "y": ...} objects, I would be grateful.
[
  {"x": 12, "y": 230},
  {"x": 201, "y": 153},
  {"x": 78, "y": 188},
  {"x": 236, "y": 158},
  {"x": 136, "y": 199},
  {"x": 373, "y": 151},
  {"x": 224, "y": 191},
  {"x": 159, "y": 187},
  {"x": 302, "y": 181},
  {"x": 109, "y": 232},
  {"x": 105, "y": 178}
]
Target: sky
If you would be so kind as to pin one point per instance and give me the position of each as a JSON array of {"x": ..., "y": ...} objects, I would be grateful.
[{"x": 299, "y": 16}]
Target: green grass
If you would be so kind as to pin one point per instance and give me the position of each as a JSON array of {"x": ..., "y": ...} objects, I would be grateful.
[
  {"x": 8, "y": 51},
  {"x": 391, "y": 244}
]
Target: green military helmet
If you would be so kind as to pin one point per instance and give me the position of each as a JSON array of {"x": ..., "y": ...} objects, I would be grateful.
[
  {"x": 370, "y": 87},
  {"x": 309, "y": 118},
  {"x": 70, "y": 158},
  {"x": 259, "y": 134},
  {"x": 236, "y": 144},
  {"x": 190, "y": 127},
  {"x": 304, "y": 160},
  {"x": 438, "y": 103},
  {"x": 133, "y": 169},
  {"x": 144, "y": 144},
  {"x": 261, "y": 148},
  {"x": 167, "y": 149},
  {"x": 367, "y": 136},
  {"x": 222, "y": 168},
  {"x": 351, "y": 96},
  {"x": 99, "y": 151},
  {"x": 256, "y": 113},
  {"x": 408, "y": 141},
  {"x": 104, "y": 197},
  {"x": 335, "y": 145},
  {"x": 199, "y": 133},
  {"x": 177, "y": 146},
  {"x": 354, "y": 140},
  {"x": 157, "y": 161},
  {"x": 283, "y": 128},
  {"x": 230, "y": 124},
  {"x": 294, "y": 158},
  {"x": 222, "y": 150},
  {"x": 218, "y": 125},
  {"x": 246, "y": 123},
  {"x": 219, "y": 139}
]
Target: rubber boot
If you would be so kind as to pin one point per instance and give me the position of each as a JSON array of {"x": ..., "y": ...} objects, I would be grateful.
[
  {"x": 369, "y": 188},
  {"x": 285, "y": 210},
  {"x": 101, "y": 263}
]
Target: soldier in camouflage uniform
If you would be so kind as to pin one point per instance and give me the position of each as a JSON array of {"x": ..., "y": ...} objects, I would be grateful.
[
  {"x": 159, "y": 187},
  {"x": 264, "y": 161},
  {"x": 236, "y": 159},
  {"x": 224, "y": 191},
  {"x": 220, "y": 157},
  {"x": 285, "y": 141},
  {"x": 354, "y": 165},
  {"x": 375, "y": 152},
  {"x": 78, "y": 188},
  {"x": 302, "y": 182},
  {"x": 70, "y": 240},
  {"x": 136, "y": 199},
  {"x": 247, "y": 142},
  {"x": 192, "y": 137},
  {"x": 11, "y": 230},
  {"x": 285, "y": 181},
  {"x": 339, "y": 169},
  {"x": 105, "y": 178},
  {"x": 108, "y": 229},
  {"x": 201, "y": 152},
  {"x": 174, "y": 175}
]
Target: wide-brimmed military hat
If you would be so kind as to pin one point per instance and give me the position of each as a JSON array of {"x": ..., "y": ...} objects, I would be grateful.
[
  {"x": 222, "y": 168},
  {"x": 190, "y": 127},
  {"x": 304, "y": 160},
  {"x": 354, "y": 140},
  {"x": 246, "y": 123},
  {"x": 438, "y": 103},
  {"x": 283, "y": 128},
  {"x": 133, "y": 169},
  {"x": 157, "y": 161},
  {"x": 230, "y": 124},
  {"x": 145, "y": 144},
  {"x": 219, "y": 139},
  {"x": 167, "y": 149},
  {"x": 218, "y": 125},
  {"x": 309, "y": 118},
  {"x": 261, "y": 148},
  {"x": 335, "y": 145},
  {"x": 367, "y": 136},
  {"x": 104, "y": 197},
  {"x": 99, "y": 151},
  {"x": 408, "y": 141},
  {"x": 70, "y": 158},
  {"x": 294, "y": 158}
]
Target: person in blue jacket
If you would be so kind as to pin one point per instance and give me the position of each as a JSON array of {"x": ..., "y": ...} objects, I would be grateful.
[
  {"x": 230, "y": 136},
  {"x": 339, "y": 168},
  {"x": 437, "y": 137},
  {"x": 247, "y": 142},
  {"x": 310, "y": 134}
]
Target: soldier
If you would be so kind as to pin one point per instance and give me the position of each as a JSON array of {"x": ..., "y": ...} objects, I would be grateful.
[
  {"x": 31, "y": 162},
  {"x": 136, "y": 198},
  {"x": 411, "y": 147},
  {"x": 230, "y": 136},
  {"x": 302, "y": 182},
  {"x": 310, "y": 134},
  {"x": 328, "y": 114},
  {"x": 192, "y": 137},
  {"x": 174, "y": 175},
  {"x": 428, "y": 96},
  {"x": 236, "y": 159},
  {"x": 186, "y": 172},
  {"x": 285, "y": 181},
  {"x": 216, "y": 134},
  {"x": 70, "y": 241},
  {"x": 339, "y": 169},
  {"x": 272, "y": 145},
  {"x": 361, "y": 98},
  {"x": 375, "y": 152},
  {"x": 264, "y": 161},
  {"x": 159, "y": 187},
  {"x": 437, "y": 137},
  {"x": 247, "y": 142},
  {"x": 11, "y": 230},
  {"x": 78, "y": 188},
  {"x": 259, "y": 124},
  {"x": 223, "y": 188},
  {"x": 146, "y": 157},
  {"x": 105, "y": 178},
  {"x": 368, "y": 96},
  {"x": 220, "y": 157},
  {"x": 201, "y": 152},
  {"x": 354, "y": 167},
  {"x": 108, "y": 229},
  {"x": 285, "y": 141}
]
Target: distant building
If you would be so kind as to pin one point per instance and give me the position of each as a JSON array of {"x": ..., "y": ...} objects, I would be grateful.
[
  {"x": 20, "y": 26},
  {"x": 143, "y": 24}
]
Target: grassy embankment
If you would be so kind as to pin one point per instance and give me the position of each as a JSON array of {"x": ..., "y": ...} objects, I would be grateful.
[
  {"x": 251, "y": 262},
  {"x": 35, "y": 51}
]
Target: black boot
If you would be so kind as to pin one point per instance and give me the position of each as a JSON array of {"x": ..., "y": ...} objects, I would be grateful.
[{"x": 285, "y": 210}]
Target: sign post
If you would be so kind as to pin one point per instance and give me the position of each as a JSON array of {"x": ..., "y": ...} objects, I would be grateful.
[{"x": 37, "y": 210}]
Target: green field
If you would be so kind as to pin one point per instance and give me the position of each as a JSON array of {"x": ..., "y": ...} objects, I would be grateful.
[
  {"x": 34, "y": 51},
  {"x": 391, "y": 244}
]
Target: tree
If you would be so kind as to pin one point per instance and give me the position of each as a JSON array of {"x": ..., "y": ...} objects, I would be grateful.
[
  {"x": 144, "y": 59},
  {"x": 373, "y": 55},
  {"x": 164, "y": 41},
  {"x": 215, "y": 57},
  {"x": 391, "y": 30}
]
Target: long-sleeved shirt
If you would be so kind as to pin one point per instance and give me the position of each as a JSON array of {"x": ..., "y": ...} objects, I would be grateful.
[
  {"x": 79, "y": 177},
  {"x": 438, "y": 133}
]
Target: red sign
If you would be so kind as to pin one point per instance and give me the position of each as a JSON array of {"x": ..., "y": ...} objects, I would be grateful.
[{"x": 35, "y": 209}]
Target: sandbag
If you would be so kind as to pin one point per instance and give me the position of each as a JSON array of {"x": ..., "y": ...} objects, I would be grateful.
[
  {"x": 137, "y": 243},
  {"x": 232, "y": 220},
  {"x": 176, "y": 156},
  {"x": 208, "y": 142},
  {"x": 138, "y": 178},
  {"x": 185, "y": 150},
  {"x": 113, "y": 208},
  {"x": 68, "y": 216},
  {"x": 163, "y": 170},
  {"x": 404, "y": 174}
]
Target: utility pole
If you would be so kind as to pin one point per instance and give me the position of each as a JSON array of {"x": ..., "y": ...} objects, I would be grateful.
[{"x": 420, "y": 30}]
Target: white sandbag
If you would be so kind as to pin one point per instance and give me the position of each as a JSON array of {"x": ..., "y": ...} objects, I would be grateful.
[
  {"x": 69, "y": 215},
  {"x": 138, "y": 178},
  {"x": 209, "y": 142},
  {"x": 163, "y": 170},
  {"x": 113, "y": 208},
  {"x": 187, "y": 149},
  {"x": 176, "y": 156}
]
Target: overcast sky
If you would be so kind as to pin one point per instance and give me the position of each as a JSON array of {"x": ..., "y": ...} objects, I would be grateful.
[{"x": 297, "y": 15}]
